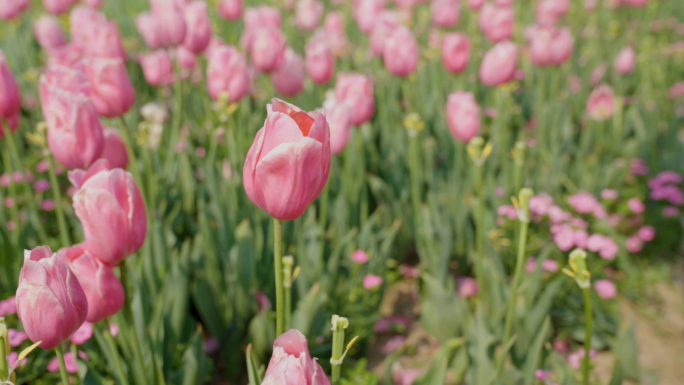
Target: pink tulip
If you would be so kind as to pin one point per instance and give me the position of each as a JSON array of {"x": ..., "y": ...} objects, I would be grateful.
[
  {"x": 636, "y": 3},
  {"x": 499, "y": 64},
  {"x": 198, "y": 27},
  {"x": 360, "y": 257},
  {"x": 605, "y": 289},
  {"x": 367, "y": 12},
  {"x": 227, "y": 73},
  {"x": 84, "y": 20},
  {"x": 338, "y": 116},
  {"x": 186, "y": 59},
  {"x": 102, "y": 288},
  {"x": 455, "y": 52},
  {"x": 400, "y": 52},
  {"x": 551, "y": 46},
  {"x": 387, "y": 22},
  {"x": 463, "y": 116},
  {"x": 105, "y": 41},
  {"x": 10, "y": 96},
  {"x": 50, "y": 301},
  {"x": 9, "y": 9},
  {"x": 320, "y": 63},
  {"x": 49, "y": 32},
  {"x": 112, "y": 212},
  {"x": 371, "y": 281},
  {"x": 496, "y": 22},
  {"x": 111, "y": 89},
  {"x": 163, "y": 28},
  {"x": 262, "y": 16},
  {"x": 85, "y": 332},
  {"x": 445, "y": 13},
  {"x": 308, "y": 14},
  {"x": 334, "y": 22},
  {"x": 114, "y": 149},
  {"x": 625, "y": 61},
  {"x": 58, "y": 7},
  {"x": 230, "y": 9},
  {"x": 289, "y": 78},
  {"x": 358, "y": 90},
  {"x": 468, "y": 287},
  {"x": 598, "y": 73},
  {"x": 549, "y": 11},
  {"x": 476, "y": 5},
  {"x": 288, "y": 164},
  {"x": 67, "y": 55},
  {"x": 601, "y": 103},
  {"x": 157, "y": 68},
  {"x": 291, "y": 363},
  {"x": 267, "y": 48},
  {"x": 96, "y": 4}
]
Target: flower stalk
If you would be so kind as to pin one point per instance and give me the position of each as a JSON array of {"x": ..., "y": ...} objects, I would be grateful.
[
  {"x": 288, "y": 264},
  {"x": 278, "y": 267},
  {"x": 479, "y": 152},
  {"x": 339, "y": 324},
  {"x": 578, "y": 270},
  {"x": 62, "y": 365},
  {"x": 4, "y": 351}
]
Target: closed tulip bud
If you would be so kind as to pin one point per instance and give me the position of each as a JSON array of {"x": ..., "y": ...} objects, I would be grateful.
[
  {"x": 84, "y": 20},
  {"x": 104, "y": 292},
  {"x": 338, "y": 116},
  {"x": 320, "y": 63},
  {"x": 445, "y": 13},
  {"x": 367, "y": 12},
  {"x": 499, "y": 64},
  {"x": 186, "y": 58},
  {"x": 105, "y": 41},
  {"x": 334, "y": 22},
  {"x": 49, "y": 32},
  {"x": 289, "y": 78},
  {"x": 9, "y": 9},
  {"x": 228, "y": 73},
  {"x": 308, "y": 14},
  {"x": 157, "y": 68},
  {"x": 262, "y": 16},
  {"x": 10, "y": 96},
  {"x": 550, "y": 46},
  {"x": 230, "y": 9},
  {"x": 625, "y": 61},
  {"x": 549, "y": 11},
  {"x": 114, "y": 149},
  {"x": 291, "y": 363},
  {"x": 463, "y": 116},
  {"x": 475, "y": 5},
  {"x": 267, "y": 48},
  {"x": 400, "y": 52},
  {"x": 601, "y": 103},
  {"x": 165, "y": 28},
  {"x": 198, "y": 27},
  {"x": 51, "y": 303},
  {"x": 111, "y": 89},
  {"x": 358, "y": 90},
  {"x": 496, "y": 22},
  {"x": 112, "y": 212},
  {"x": 288, "y": 164},
  {"x": 386, "y": 23},
  {"x": 58, "y": 7},
  {"x": 455, "y": 52}
]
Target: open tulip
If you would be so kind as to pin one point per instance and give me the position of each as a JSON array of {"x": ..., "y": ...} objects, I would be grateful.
[
  {"x": 308, "y": 14},
  {"x": 601, "y": 103},
  {"x": 112, "y": 212},
  {"x": 111, "y": 89},
  {"x": 463, "y": 116},
  {"x": 84, "y": 20},
  {"x": 104, "y": 292},
  {"x": 496, "y": 22},
  {"x": 227, "y": 72},
  {"x": 198, "y": 27},
  {"x": 291, "y": 363},
  {"x": 400, "y": 52},
  {"x": 499, "y": 64},
  {"x": 358, "y": 90},
  {"x": 289, "y": 78},
  {"x": 51, "y": 303},
  {"x": 288, "y": 164},
  {"x": 114, "y": 149},
  {"x": 455, "y": 52},
  {"x": 230, "y": 9},
  {"x": 157, "y": 68},
  {"x": 445, "y": 13},
  {"x": 320, "y": 63},
  {"x": 10, "y": 96},
  {"x": 9, "y": 9},
  {"x": 625, "y": 61},
  {"x": 49, "y": 32}
]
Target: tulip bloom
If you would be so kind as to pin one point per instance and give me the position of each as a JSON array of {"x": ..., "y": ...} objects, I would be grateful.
[
  {"x": 262, "y": 16},
  {"x": 288, "y": 164},
  {"x": 198, "y": 27},
  {"x": 111, "y": 89},
  {"x": 463, "y": 116},
  {"x": 58, "y": 7},
  {"x": 163, "y": 28},
  {"x": 105, "y": 41},
  {"x": 227, "y": 72},
  {"x": 496, "y": 22},
  {"x": 358, "y": 90},
  {"x": 499, "y": 64},
  {"x": 291, "y": 363},
  {"x": 112, "y": 212},
  {"x": 400, "y": 52},
  {"x": 601, "y": 103},
  {"x": 157, "y": 68},
  {"x": 551, "y": 46},
  {"x": 267, "y": 48},
  {"x": 387, "y": 22},
  {"x": 308, "y": 14},
  {"x": 114, "y": 150},
  {"x": 104, "y": 292},
  {"x": 50, "y": 301},
  {"x": 338, "y": 116},
  {"x": 230, "y": 9},
  {"x": 87, "y": 19},
  {"x": 289, "y": 78},
  {"x": 367, "y": 12},
  {"x": 445, "y": 13},
  {"x": 455, "y": 52},
  {"x": 320, "y": 63},
  {"x": 49, "y": 32},
  {"x": 186, "y": 59},
  {"x": 10, "y": 96},
  {"x": 625, "y": 61},
  {"x": 475, "y": 4},
  {"x": 9, "y": 9}
]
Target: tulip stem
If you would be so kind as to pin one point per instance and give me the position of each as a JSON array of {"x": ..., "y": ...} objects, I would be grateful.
[
  {"x": 130, "y": 322},
  {"x": 586, "y": 362},
  {"x": 338, "y": 326},
  {"x": 4, "y": 370},
  {"x": 14, "y": 211},
  {"x": 278, "y": 267},
  {"x": 128, "y": 141},
  {"x": 62, "y": 365},
  {"x": 288, "y": 263},
  {"x": 59, "y": 209},
  {"x": 323, "y": 214},
  {"x": 479, "y": 264}
]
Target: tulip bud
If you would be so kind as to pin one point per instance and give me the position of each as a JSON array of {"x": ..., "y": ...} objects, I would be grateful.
[
  {"x": 112, "y": 212},
  {"x": 445, "y": 13},
  {"x": 230, "y": 9},
  {"x": 320, "y": 63},
  {"x": 455, "y": 52},
  {"x": 84, "y": 20},
  {"x": 601, "y": 103},
  {"x": 400, "y": 52},
  {"x": 227, "y": 72},
  {"x": 267, "y": 48},
  {"x": 105, "y": 41},
  {"x": 625, "y": 61},
  {"x": 288, "y": 164},
  {"x": 499, "y": 64},
  {"x": 338, "y": 116},
  {"x": 289, "y": 78},
  {"x": 308, "y": 14},
  {"x": 51, "y": 303},
  {"x": 163, "y": 28},
  {"x": 550, "y": 46},
  {"x": 49, "y": 32},
  {"x": 157, "y": 68},
  {"x": 262, "y": 16},
  {"x": 9, "y": 9},
  {"x": 496, "y": 22},
  {"x": 579, "y": 271},
  {"x": 114, "y": 149},
  {"x": 104, "y": 292},
  {"x": 387, "y": 22},
  {"x": 112, "y": 92},
  {"x": 463, "y": 116},
  {"x": 10, "y": 96},
  {"x": 185, "y": 58},
  {"x": 475, "y": 4},
  {"x": 58, "y": 7},
  {"x": 291, "y": 363},
  {"x": 358, "y": 90},
  {"x": 367, "y": 12},
  {"x": 198, "y": 27}
]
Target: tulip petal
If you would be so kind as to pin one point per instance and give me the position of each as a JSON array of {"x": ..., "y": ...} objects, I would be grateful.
[{"x": 279, "y": 128}]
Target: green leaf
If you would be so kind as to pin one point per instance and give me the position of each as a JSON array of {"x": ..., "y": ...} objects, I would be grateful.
[
  {"x": 535, "y": 351},
  {"x": 252, "y": 368}
]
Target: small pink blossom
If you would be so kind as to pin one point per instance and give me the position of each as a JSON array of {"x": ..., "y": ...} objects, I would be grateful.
[
  {"x": 391, "y": 323},
  {"x": 541, "y": 375},
  {"x": 583, "y": 202},
  {"x": 371, "y": 281},
  {"x": 646, "y": 233},
  {"x": 634, "y": 244},
  {"x": 609, "y": 194},
  {"x": 605, "y": 289},
  {"x": 41, "y": 185},
  {"x": 575, "y": 359},
  {"x": 16, "y": 337},
  {"x": 12, "y": 360},
  {"x": 83, "y": 334},
  {"x": 47, "y": 205},
  {"x": 468, "y": 287},
  {"x": 670, "y": 211},
  {"x": 8, "y": 306},
  {"x": 360, "y": 257},
  {"x": 638, "y": 167},
  {"x": 393, "y": 344},
  {"x": 636, "y": 206}
]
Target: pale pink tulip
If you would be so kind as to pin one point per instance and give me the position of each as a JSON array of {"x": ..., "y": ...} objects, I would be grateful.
[
  {"x": 463, "y": 116},
  {"x": 371, "y": 281},
  {"x": 227, "y": 72},
  {"x": 359, "y": 91},
  {"x": 334, "y": 21},
  {"x": 267, "y": 47},
  {"x": 186, "y": 59},
  {"x": 49, "y": 33},
  {"x": 387, "y": 22},
  {"x": 320, "y": 63},
  {"x": 84, "y": 20},
  {"x": 9, "y": 9},
  {"x": 105, "y": 41},
  {"x": 549, "y": 11},
  {"x": 262, "y": 16},
  {"x": 157, "y": 68},
  {"x": 288, "y": 164},
  {"x": 198, "y": 27},
  {"x": 338, "y": 116},
  {"x": 476, "y": 5},
  {"x": 625, "y": 61},
  {"x": 10, "y": 96},
  {"x": 400, "y": 52},
  {"x": 605, "y": 289},
  {"x": 499, "y": 64},
  {"x": 445, "y": 13},
  {"x": 114, "y": 150},
  {"x": 496, "y": 22},
  {"x": 291, "y": 363},
  {"x": 289, "y": 78},
  {"x": 367, "y": 12},
  {"x": 163, "y": 28},
  {"x": 230, "y": 9},
  {"x": 58, "y": 7},
  {"x": 550, "y": 46},
  {"x": 111, "y": 89},
  {"x": 308, "y": 14},
  {"x": 50, "y": 301},
  {"x": 455, "y": 52},
  {"x": 601, "y": 103}
]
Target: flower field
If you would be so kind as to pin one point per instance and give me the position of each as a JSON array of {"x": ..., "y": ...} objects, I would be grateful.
[{"x": 315, "y": 192}]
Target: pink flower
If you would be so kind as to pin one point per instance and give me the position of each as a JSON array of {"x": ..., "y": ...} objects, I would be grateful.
[
  {"x": 111, "y": 89},
  {"x": 400, "y": 52},
  {"x": 405, "y": 376},
  {"x": 113, "y": 329},
  {"x": 163, "y": 27},
  {"x": 263, "y": 16},
  {"x": 227, "y": 73},
  {"x": 601, "y": 103},
  {"x": 112, "y": 212},
  {"x": 565, "y": 238},
  {"x": 551, "y": 46},
  {"x": 8, "y": 307},
  {"x": 101, "y": 286},
  {"x": 605, "y": 289},
  {"x": 50, "y": 302},
  {"x": 12, "y": 360},
  {"x": 83, "y": 334},
  {"x": 468, "y": 287},
  {"x": 308, "y": 14},
  {"x": 636, "y": 206},
  {"x": 10, "y": 96},
  {"x": 455, "y": 52},
  {"x": 367, "y": 12},
  {"x": 16, "y": 337},
  {"x": 646, "y": 233},
  {"x": 391, "y": 323},
  {"x": 267, "y": 48},
  {"x": 49, "y": 32},
  {"x": 583, "y": 202},
  {"x": 338, "y": 116},
  {"x": 639, "y": 167},
  {"x": 198, "y": 27},
  {"x": 157, "y": 68},
  {"x": 69, "y": 361},
  {"x": 103, "y": 40},
  {"x": 58, "y": 7},
  {"x": 289, "y": 78},
  {"x": 408, "y": 271},
  {"x": 463, "y": 116},
  {"x": 291, "y": 363},
  {"x": 320, "y": 63},
  {"x": 358, "y": 90},
  {"x": 93, "y": 3},
  {"x": 507, "y": 211},
  {"x": 634, "y": 244},
  {"x": 499, "y": 64},
  {"x": 625, "y": 61},
  {"x": 676, "y": 90},
  {"x": 575, "y": 359},
  {"x": 387, "y": 22},
  {"x": 475, "y": 4},
  {"x": 47, "y": 205},
  {"x": 360, "y": 257},
  {"x": 371, "y": 281},
  {"x": 114, "y": 149},
  {"x": 670, "y": 211},
  {"x": 609, "y": 249},
  {"x": 496, "y": 22},
  {"x": 9, "y": 9},
  {"x": 230, "y": 9},
  {"x": 598, "y": 73},
  {"x": 541, "y": 375},
  {"x": 394, "y": 344},
  {"x": 550, "y": 265},
  {"x": 288, "y": 164},
  {"x": 608, "y": 194},
  {"x": 549, "y": 11},
  {"x": 445, "y": 13}
]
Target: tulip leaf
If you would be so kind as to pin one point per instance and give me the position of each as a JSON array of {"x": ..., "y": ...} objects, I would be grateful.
[
  {"x": 25, "y": 353},
  {"x": 534, "y": 353},
  {"x": 252, "y": 368}
]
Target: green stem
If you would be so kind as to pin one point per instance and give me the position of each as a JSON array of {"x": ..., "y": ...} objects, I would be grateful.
[
  {"x": 586, "y": 362},
  {"x": 278, "y": 267},
  {"x": 323, "y": 215},
  {"x": 479, "y": 264},
  {"x": 118, "y": 368},
  {"x": 59, "y": 210},
  {"x": 288, "y": 263},
  {"x": 520, "y": 262},
  {"x": 339, "y": 324},
  {"x": 14, "y": 211},
  {"x": 62, "y": 365},
  {"x": 4, "y": 369},
  {"x": 130, "y": 323},
  {"x": 133, "y": 161}
]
